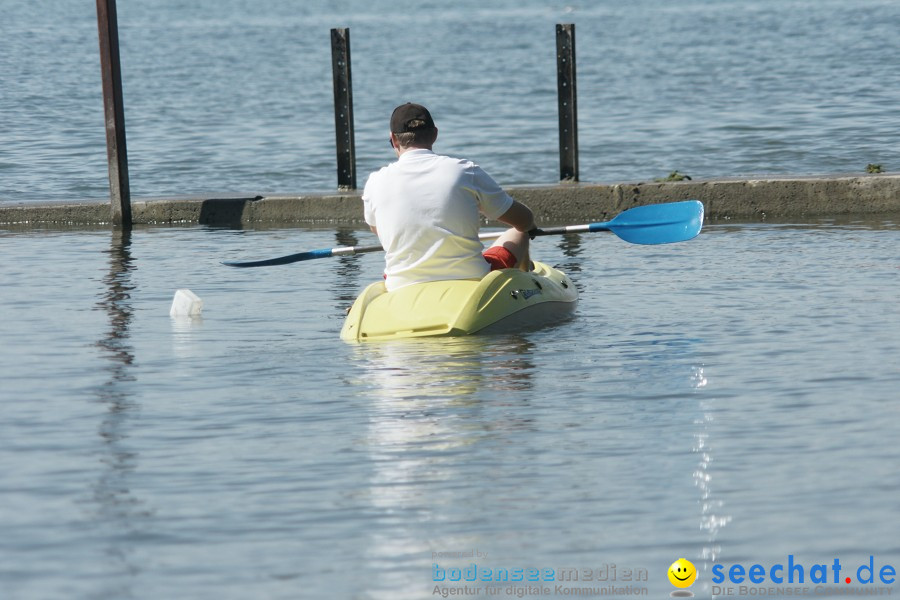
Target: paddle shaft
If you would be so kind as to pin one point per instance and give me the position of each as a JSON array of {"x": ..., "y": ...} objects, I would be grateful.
[
  {"x": 650, "y": 224},
  {"x": 351, "y": 250}
]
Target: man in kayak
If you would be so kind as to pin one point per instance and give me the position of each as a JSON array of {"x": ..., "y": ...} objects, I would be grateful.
[{"x": 426, "y": 210}]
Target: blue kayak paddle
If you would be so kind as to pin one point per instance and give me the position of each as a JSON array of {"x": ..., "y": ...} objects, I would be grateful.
[{"x": 650, "y": 224}]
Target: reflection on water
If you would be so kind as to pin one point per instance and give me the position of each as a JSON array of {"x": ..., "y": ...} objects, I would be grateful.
[
  {"x": 184, "y": 336},
  {"x": 427, "y": 416},
  {"x": 712, "y": 518},
  {"x": 446, "y": 368},
  {"x": 116, "y": 506},
  {"x": 571, "y": 247},
  {"x": 348, "y": 268}
]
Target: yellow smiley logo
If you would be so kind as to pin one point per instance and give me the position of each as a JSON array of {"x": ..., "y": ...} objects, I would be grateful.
[{"x": 682, "y": 573}]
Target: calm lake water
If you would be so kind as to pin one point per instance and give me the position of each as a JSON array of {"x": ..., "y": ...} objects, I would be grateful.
[
  {"x": 233, "y": 96},
  {"x": 728, "y": 400},
  {"x": 731, "y": 400}
]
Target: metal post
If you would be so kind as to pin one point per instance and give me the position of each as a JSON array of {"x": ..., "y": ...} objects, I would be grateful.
[
  {"x": 568, "y": 106},
  {"x": 114, "y": 110},
  {"x": 343, "y": 109}
]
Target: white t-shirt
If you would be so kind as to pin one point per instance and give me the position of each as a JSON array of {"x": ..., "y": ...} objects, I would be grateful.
[{"x": 426, "y": 209}]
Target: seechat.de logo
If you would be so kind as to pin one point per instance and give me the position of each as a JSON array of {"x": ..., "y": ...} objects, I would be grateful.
[{"x": 793, "y": 572}]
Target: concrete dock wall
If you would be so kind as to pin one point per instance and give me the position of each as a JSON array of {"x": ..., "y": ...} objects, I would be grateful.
[{"x": 797, "y": 199}]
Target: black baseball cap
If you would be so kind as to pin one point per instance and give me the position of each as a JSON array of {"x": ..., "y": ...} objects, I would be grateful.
[{"x": 410, "y": 117}]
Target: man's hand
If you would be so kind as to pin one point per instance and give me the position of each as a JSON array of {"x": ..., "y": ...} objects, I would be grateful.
[{"x": 534, "y": 232}]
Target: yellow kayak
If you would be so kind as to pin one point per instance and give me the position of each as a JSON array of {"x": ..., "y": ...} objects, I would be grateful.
[{"x": 504, "y": 300}]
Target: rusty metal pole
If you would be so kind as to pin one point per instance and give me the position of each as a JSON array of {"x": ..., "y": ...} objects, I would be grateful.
[
  {"x": 343, "y": 109},
  {"x": 568, "y": 106},
  {"x": 114, "y": 110}
]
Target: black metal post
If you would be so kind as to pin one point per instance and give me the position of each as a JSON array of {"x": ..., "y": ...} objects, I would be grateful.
[
  {"x": 114, "y": 111},
  {"x": 343, "y": 109},
  {"x": 568, "y": 106}
]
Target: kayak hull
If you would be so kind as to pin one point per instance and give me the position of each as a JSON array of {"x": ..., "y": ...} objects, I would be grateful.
[{"x": 504, "y": 300}]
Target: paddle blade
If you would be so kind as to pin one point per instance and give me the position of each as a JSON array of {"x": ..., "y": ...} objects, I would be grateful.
[
  {"x": 300, "y": 256},
  {"x": 658, "y": 223},
  {"x": 281, "y": 260}
]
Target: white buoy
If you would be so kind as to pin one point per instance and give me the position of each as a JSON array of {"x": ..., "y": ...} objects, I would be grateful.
[{"x": 186, "y": 304}]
